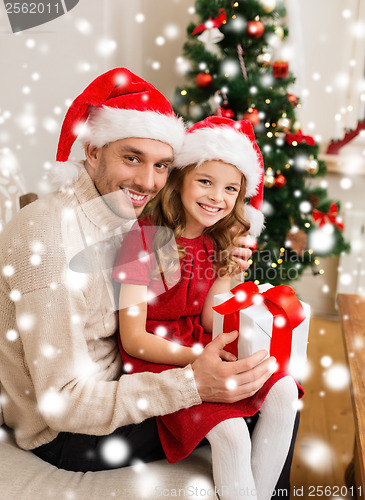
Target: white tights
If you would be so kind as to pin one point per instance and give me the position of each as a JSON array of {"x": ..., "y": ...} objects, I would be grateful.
[{"x": 245, "y": 468}]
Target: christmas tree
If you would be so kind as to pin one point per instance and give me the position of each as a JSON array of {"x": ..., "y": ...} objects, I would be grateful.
[{"x": 232, "y": 72}]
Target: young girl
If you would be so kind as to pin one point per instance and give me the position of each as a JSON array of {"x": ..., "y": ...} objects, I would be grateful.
[{"x": 219, "y": 166}]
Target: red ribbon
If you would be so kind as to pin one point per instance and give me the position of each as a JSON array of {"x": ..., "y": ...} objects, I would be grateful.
[
  {"x": 282, "y": 303},
  {"x": 213, "y": 23},
  {"x": 330, "y": 216},
  {"x": 299, "y": 137}
]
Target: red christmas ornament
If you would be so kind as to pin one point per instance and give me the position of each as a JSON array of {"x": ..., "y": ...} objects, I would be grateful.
[
  {"x": 280, "y": 181},
  {"x": 225, "y": 112},
  {"x": 203, "y": 80},
  {"x": 293, "y": 99},
  {"x": 252, "y": 115},
  {"x": 255, "y": 29},
  {"x": 281, "y": 69}
]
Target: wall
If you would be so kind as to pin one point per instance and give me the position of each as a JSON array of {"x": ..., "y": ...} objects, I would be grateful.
[
  {"x": 333, "y": 53},
  {"x": 333, "y": 79},
  {"x": 156, "y": 62},
  {"x": 45, "y": 68},
  {"x": 42, "y": 70}
]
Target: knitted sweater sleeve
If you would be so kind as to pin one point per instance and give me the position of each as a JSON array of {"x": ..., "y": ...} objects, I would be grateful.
[
  {"x": 70, "y": 396},
  {"x": 51, "y": 310}
]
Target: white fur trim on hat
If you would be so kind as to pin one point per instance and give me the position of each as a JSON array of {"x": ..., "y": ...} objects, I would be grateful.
[
  {"x": 256, "y": 219},
  {"x": 225, "y": 144},
  {"x": 107, "y": 124},
  {"x": 63, "y": 173}
]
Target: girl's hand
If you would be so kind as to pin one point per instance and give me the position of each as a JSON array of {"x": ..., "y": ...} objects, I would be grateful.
[{"x": 242, "y": 252}]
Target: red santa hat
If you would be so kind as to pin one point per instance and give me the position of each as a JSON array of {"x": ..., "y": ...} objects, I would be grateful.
[
  {"x": 218, "y": 138},
  {"x": 116, "y": 105}
]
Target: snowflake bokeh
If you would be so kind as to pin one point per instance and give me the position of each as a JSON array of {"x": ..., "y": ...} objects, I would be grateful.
[
  {"x": 115, "y": 451},
  {"x": 29, "y": 120}
]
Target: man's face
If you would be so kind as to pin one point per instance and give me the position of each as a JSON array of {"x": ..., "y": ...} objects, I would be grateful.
[{"x": 128, "y": 173}]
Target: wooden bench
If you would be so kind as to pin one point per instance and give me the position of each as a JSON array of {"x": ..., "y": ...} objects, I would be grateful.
[{"x": 352, "y": 314}]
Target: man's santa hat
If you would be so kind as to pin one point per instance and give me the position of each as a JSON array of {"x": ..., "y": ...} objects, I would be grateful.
[
  {"x": 218, "y": 138},
  {"x": 116, "y": 105}
]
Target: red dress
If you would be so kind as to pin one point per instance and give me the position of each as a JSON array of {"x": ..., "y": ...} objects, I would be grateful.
[{"x": 175, "y": 313}]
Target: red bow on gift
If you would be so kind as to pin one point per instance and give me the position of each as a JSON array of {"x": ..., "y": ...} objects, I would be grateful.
[
  {"x": 330, "y": 216},
  {"x": 299, "y": 137},
  {"x": 212, "y": 23},
  {"x": 282, "y": 303}
]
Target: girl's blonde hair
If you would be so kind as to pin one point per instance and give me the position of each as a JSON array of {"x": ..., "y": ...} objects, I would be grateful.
[{"x": 167, "y": 210}]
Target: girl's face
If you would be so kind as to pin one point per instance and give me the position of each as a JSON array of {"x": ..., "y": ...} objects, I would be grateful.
[{"x": 208, "y": 194}]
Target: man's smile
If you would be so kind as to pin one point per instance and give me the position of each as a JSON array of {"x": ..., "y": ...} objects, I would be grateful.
[{"x": 136, "y": 198}]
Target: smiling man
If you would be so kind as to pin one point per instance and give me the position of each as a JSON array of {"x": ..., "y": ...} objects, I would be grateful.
[{"x": 63, "y": 387}]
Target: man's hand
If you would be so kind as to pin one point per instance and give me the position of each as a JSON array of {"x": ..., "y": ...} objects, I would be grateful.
[
  {"x": 242, "y": 252},
  {"x": 220, "y": 382}
]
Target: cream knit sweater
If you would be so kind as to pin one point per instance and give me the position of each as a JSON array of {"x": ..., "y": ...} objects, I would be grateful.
[{"x": 59, "y": 363}]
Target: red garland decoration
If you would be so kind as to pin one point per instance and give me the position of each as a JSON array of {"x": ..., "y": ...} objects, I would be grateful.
[
  {"x": 330, "y": 216},
  {"x": 211, "y": 23},
  {"x": 298, "y": 138},
  {"x": 334, "y": 146}
]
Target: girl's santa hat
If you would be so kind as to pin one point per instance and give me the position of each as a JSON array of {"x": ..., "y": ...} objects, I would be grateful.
[
  {"x": 116, "y": 105},
  {"x": 218, "y": 138}
]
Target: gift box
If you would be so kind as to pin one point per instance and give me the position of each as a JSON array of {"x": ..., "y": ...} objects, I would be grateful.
[
  {"x": 281, "y": 69},
  {"x": 267, "y": 317}
]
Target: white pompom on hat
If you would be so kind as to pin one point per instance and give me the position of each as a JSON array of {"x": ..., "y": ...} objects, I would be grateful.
[
  {"x": 116, "y": 105},
  {"x": 219, "y": 138}
]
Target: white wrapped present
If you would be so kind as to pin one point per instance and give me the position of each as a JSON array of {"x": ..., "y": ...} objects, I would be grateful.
[{"x": 265, "y": 321}]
